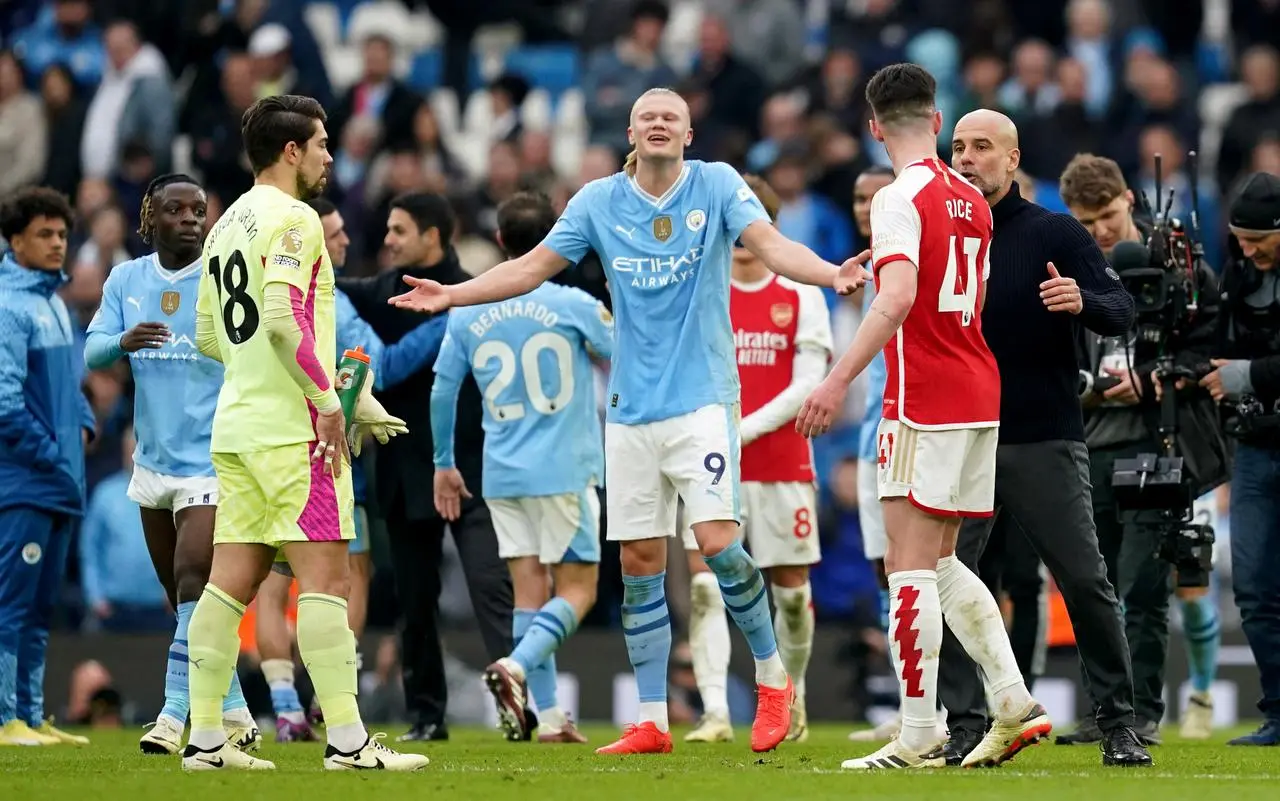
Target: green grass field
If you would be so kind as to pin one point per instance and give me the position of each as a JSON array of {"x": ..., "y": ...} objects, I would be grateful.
[{"x": 478, "y": 764}]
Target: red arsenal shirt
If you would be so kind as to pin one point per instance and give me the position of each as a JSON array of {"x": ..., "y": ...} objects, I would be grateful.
[
  {"x": 941, "y": 374},
  {"x": 773, "y": 319}
]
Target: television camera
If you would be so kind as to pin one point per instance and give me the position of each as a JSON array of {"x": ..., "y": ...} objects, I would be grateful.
[{"x": 1163, "y": 276}]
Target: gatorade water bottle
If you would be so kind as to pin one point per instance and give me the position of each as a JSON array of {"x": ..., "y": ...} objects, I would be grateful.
[{"x": 353, "y": 371}]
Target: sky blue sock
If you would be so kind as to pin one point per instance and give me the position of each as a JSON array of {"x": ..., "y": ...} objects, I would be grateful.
[
  {"x": 884, "y": 611},
  {"x": 742, "y": 585},
  {"x": 550, "y": 627},
  {"x": 647, "y": 628},
  {"x": 1204, "y": 634},
  {"x": 542, "y": 678},
  {"x": 177, "y": 702},
  {"x": 235, "y": 695},
  {"x": 283, "y": 699}
]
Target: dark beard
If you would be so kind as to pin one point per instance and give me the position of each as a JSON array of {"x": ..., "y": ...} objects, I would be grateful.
[{"x": 307, "y": 191}]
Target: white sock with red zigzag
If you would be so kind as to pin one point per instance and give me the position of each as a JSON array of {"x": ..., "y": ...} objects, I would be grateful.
[{"x": 915, "y": 633}]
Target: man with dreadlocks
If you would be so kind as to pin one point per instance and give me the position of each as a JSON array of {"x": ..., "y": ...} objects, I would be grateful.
[{"x": 148, "y": 314}]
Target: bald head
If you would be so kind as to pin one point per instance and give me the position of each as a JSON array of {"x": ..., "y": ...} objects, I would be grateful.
[
  {"x": 996, "y": 126},
  {"x": 984, "y": 149}
]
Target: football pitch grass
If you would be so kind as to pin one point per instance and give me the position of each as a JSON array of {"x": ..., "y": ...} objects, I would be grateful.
[{"x": 479, "y": 764}]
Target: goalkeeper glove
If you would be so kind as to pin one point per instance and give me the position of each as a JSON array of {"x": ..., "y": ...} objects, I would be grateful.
[{"x": 371, "y": 418}]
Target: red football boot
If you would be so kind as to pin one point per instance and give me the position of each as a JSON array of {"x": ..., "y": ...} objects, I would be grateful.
[
  {"x": 643, "y": 738},
  {"x": 773, "y": 716}
]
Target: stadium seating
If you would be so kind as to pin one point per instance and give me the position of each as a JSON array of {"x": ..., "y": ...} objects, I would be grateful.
[
  {"x": 553, "y": 68},
  {"x": 555, "y": 104}
]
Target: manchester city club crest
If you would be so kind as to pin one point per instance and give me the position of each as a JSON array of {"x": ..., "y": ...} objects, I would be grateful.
[
  {"x": 31, "y": 553},
  {"x": 662, "y": 228},
  {"x": 695, "y": 219},
  {"x": 782, "y": 314},
  {"x": 170, "y": 300}
]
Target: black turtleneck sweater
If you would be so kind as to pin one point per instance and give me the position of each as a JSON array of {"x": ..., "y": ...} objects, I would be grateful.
[{"x": 1034, "y": 347}]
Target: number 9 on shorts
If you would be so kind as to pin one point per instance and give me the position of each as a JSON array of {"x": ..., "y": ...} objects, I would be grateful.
[{"x": 650, "y": 467}]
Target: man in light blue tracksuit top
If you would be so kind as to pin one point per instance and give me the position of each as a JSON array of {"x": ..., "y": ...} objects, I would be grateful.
[{"x": 45, "y": 421}]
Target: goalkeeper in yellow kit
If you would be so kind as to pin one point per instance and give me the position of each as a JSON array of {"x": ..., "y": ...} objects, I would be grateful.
[{"x": 266, "y": 311}]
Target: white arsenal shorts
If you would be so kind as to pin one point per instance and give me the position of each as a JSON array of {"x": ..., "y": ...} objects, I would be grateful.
[
  {"x": 650, "y": 467},
  {"x": 780, "y": 519},
  {"x": 946, "y": 472}
]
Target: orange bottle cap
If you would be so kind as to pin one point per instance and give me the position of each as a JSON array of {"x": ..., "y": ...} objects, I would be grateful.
[{"x": 358, "y": 354}]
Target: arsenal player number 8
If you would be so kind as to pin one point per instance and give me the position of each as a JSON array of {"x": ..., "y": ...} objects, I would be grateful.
[
  {"x": 964, "y": 301},
  {"x": 804, "y": 526}
]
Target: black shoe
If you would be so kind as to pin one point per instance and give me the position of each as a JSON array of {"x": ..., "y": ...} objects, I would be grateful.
[
  {"x": 1121, "y": 748},
  {"x": 424, "y": 732},
  {"x": 1148, "y": 733},
  {"x": 1086, "y": 732},
  {"x": 531, "y": 726},
  {"x": 957, "y": 747}
]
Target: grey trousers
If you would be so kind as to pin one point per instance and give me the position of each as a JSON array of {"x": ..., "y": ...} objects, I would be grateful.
[{"x": 1045, "y": 487}]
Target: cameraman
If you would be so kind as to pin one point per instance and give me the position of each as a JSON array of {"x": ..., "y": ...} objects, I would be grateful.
[
  {"x": 1249, "y": 339},
  {"x": 1122, "y": 420}
]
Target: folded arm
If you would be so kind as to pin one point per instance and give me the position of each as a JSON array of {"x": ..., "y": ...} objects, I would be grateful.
[
  {"x": 106, "y": 330},
  {"x": 295, "y": 345},
  {"x": 1264, "y": 376},
  {"x": 102, "y": 350}
]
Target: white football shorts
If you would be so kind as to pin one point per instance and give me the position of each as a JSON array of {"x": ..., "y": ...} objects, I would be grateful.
[
  {"x": 651, "y": 467},
  {"x": 152, "y": 490},
  {"x": 946, "y": 472},
  {"x": 555, "y": 528}
]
